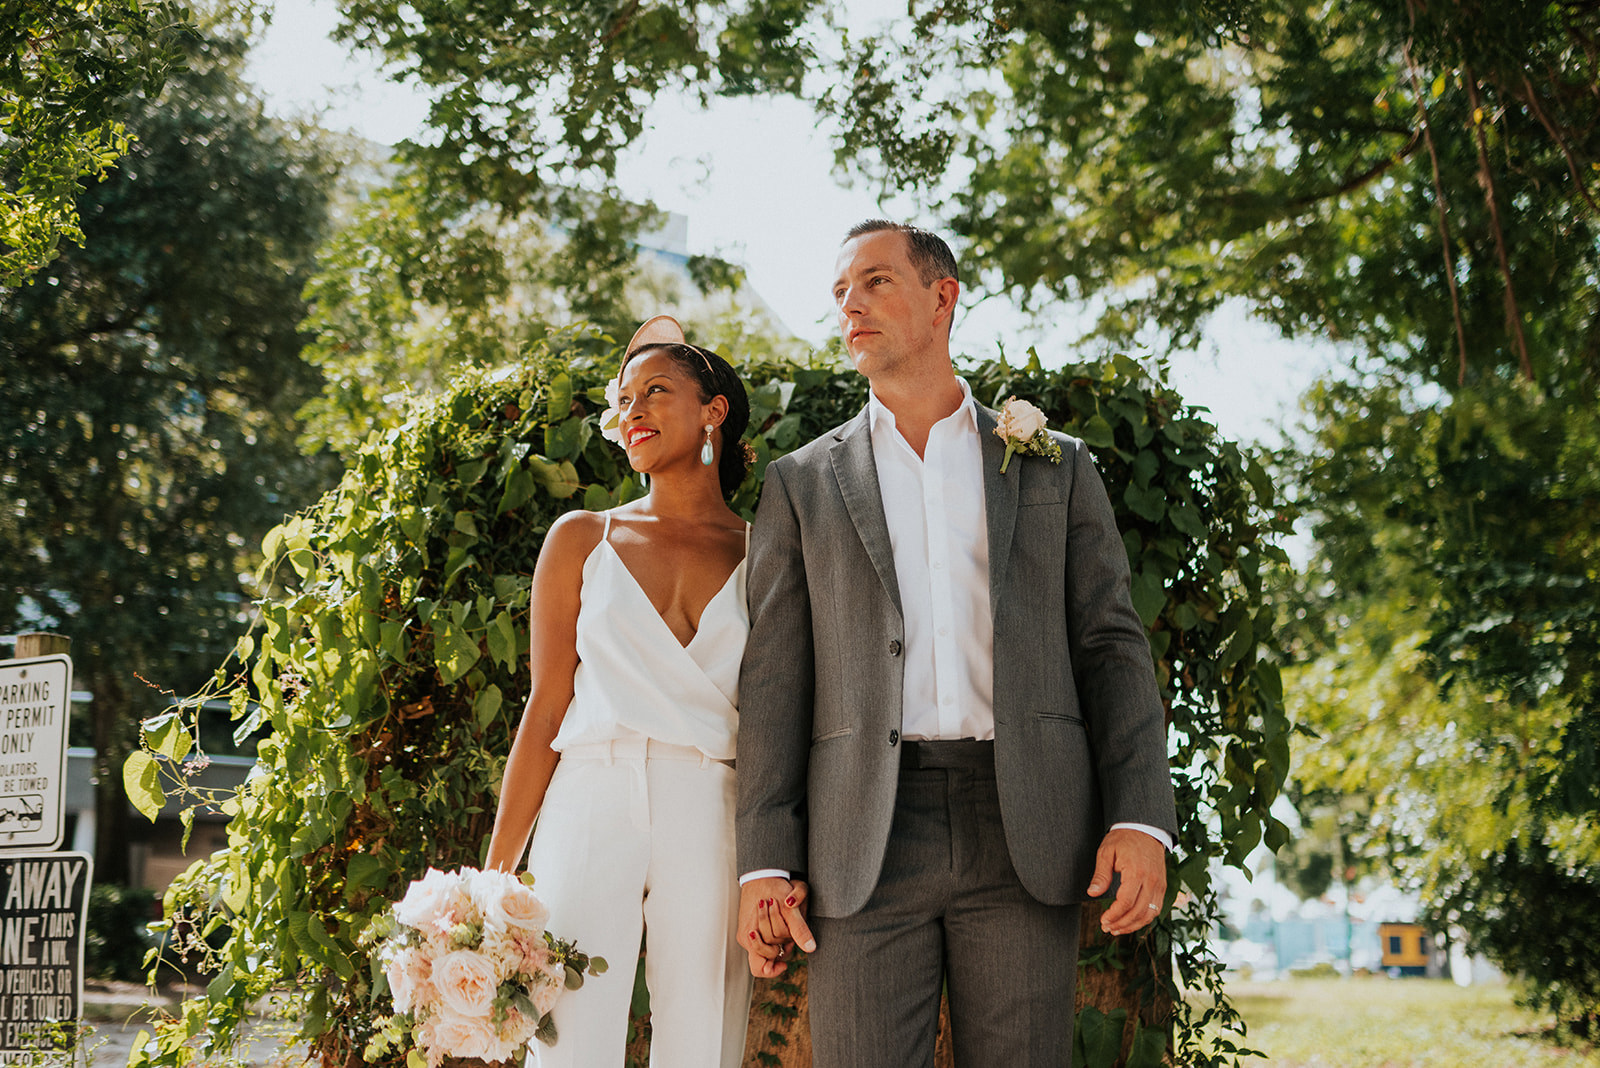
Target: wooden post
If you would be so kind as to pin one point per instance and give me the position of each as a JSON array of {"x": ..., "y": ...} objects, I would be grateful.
[{"x": 37, "y": 643}]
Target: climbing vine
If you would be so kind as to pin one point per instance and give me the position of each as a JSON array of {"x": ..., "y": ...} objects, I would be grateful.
[{"x": 386, "y": 674}]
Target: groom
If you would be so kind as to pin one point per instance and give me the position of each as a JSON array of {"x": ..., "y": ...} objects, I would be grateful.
[{"x": 950, "y": 731}]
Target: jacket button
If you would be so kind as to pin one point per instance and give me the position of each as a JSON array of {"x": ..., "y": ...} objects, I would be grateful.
[
  {"x": 894, "y": 737},
  {"x": 894, "y": 648}
]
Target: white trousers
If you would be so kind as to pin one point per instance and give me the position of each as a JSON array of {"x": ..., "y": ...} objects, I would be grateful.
[{"x": 635, "y": 835}]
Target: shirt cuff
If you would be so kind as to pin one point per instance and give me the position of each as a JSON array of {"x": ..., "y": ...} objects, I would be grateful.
[
  {"x": 1154, "y": 832},
  {"x": 763, "y": 873}
]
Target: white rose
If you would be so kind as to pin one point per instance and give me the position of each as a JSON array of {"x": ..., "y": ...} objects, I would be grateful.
[
  {"x": 1022, "y": 420},
  {"x": 466, "y": 982},
  {"x": 426, "y": 900}
]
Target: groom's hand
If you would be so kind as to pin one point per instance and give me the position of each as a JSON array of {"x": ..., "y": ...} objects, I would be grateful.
[
  {"x": 1141, "y": 862},
  {"x": 771, "y": 923}
]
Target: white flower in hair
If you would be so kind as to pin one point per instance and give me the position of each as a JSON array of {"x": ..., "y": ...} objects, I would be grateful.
[{"x": 611, "y": 418}]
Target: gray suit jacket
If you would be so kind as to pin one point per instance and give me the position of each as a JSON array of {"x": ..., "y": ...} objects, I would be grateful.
[{"x": 1080, "y": 736}]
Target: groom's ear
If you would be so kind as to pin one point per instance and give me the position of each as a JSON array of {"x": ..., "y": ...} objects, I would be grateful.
[{"x": 949, "y": 292}]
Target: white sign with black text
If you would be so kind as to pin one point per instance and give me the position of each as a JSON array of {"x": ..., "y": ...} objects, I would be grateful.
[{"x": 35, "y": 700}]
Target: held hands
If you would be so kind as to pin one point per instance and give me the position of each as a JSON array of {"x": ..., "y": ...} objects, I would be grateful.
[
  {"x": 771, "y": 923},
  {"x": 1142, "y": 863}
]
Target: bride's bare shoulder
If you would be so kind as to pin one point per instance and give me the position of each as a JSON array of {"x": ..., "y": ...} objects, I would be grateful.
[{"x": 572, "y": 537}]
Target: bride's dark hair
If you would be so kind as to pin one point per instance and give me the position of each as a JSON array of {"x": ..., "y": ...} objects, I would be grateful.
[{"x": 715, "y": 377}]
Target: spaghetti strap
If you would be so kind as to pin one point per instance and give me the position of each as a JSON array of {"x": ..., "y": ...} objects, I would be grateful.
[
  {"x": 605, "y": 531},
  {"x": 747, "y": 539}
]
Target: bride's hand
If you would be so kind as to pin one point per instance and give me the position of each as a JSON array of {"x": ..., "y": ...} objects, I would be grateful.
[
  {"x": 781, "y": 920},
  {"x": 771, "y": 922}
]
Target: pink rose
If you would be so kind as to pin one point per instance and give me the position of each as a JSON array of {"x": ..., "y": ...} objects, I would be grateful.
[
  {"x": 522, "y": 910},
  {"x": 466, "y": 982},
  {"x": 534, "y": 955},
  {"x": 547, "y": 988},
  {"x": 447, "y": 1034},
  {"x": 410, "y": 973}
]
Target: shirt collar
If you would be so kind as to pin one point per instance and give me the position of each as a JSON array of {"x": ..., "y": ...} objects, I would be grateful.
[{"x": 882, "y": 420}]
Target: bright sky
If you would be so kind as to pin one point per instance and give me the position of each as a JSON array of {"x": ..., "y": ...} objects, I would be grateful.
[{"x": 755, "y": 180}]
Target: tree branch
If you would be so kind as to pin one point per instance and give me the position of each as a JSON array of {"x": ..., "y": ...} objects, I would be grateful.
[
  {"x": 1438, "y": 189},
  {"x": 1532, "y": 100},
  {"x": 1486, "y": 179}
]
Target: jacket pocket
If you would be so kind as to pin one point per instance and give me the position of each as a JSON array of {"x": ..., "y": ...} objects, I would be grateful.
[
  {"x": 841, "y": 732},
  {"x": 1064, "y": 717}
]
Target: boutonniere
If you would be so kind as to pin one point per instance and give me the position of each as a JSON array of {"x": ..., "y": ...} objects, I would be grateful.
[{"x": 1022, "y": 429}]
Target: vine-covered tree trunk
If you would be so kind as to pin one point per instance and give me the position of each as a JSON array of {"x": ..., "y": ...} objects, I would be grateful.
[{"x": 392, "y": 669}]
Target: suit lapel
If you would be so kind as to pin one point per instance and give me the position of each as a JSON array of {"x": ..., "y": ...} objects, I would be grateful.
[
  {"x": 857, "y": 474},
  {"x": 999, "y": 501}
]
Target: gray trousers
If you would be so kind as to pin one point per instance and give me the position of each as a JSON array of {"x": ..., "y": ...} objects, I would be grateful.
[{"x": 948, "y": 910}]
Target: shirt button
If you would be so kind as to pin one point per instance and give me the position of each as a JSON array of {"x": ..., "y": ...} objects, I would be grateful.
[
  {"x": 949, "y": 701},
  {"x": 938, "y": 565},
  {"x": 894, "y": 648},
  {"x": 944, "y": 630},
  {"x": 894, "y": 737}
]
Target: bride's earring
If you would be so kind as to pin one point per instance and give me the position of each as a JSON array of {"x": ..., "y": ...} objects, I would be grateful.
[{"x": 707, "y": 456}]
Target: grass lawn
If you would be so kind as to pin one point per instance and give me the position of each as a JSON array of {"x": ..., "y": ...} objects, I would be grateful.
[{"x": 1396, "y": 1023}]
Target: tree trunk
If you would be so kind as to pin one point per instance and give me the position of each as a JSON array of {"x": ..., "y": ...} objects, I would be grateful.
[
  {"x": 112, "y": 828},
  {"x": 1139, "y": 986}
]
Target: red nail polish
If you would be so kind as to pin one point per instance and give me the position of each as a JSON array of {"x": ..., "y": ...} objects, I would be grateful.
[{"x": 789, "y": 901}]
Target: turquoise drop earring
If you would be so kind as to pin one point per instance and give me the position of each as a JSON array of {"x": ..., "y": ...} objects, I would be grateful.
[{"x": 707, "y": 456}]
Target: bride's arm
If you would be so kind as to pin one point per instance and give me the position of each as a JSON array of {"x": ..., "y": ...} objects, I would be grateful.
[{"x": 553, "y": 629}]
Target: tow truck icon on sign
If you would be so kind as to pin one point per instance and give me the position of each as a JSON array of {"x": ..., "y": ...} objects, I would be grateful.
[{"x": 22, "y": 812}]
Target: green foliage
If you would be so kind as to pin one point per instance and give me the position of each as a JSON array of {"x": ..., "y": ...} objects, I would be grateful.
[
  {"x": 150, "y": 382},
  {"x": 65, "y": 70},
  {"x": 116, "y": 933},
  {"x": 1452, "y": 673},
  {"x": 416, "y": 289},
  {"x": 391, "y": 670}
]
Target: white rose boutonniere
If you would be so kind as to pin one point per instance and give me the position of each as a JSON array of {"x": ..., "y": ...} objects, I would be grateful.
[
  {"x": 1022, "y": 428},
  {"x": 611, "y": 418}
]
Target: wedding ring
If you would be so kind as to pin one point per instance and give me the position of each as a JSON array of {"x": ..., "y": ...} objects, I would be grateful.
[{"x": 1153, "y": 908}]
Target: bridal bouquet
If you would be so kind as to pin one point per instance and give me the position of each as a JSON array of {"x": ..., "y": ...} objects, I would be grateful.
[{"x": 471, "y": 969}]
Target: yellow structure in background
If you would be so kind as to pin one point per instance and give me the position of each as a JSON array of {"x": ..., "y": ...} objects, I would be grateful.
[{"x": 1405, "y": 948}]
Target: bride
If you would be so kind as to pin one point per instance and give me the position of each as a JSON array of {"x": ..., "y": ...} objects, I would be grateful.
[{"x": 625, "y": 750}]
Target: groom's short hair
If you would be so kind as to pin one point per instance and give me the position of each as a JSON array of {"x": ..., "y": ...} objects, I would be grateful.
[{"x": 929, "y": 254}]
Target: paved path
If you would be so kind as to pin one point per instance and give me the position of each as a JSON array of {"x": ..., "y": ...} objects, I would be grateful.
[{"x": 119, "y": 1011}]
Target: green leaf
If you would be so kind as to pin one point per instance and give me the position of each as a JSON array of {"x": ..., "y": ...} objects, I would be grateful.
[
  {"x": 141, "y": 778},
  {"x": 519, "y": 489},
  {"x": 1148, "y": 502},
  {"x": 1098, "y": 1037},
  {"x": 365, "y": 871},
  {"x": 502, "y": 640},
  {"x": 168, "y": 736},
  {"x": 454, "y": 651},
  {"x": 559, "y": 406},
  {"x": 1149, "y": 596},
  {"x": 486, "y": 706},
  {"x": 1149, "y": 1048},
  {"x": 1097, "y": 432},
  {"x": 565, "y": 440},
  {"x": 559, "y": 480}
]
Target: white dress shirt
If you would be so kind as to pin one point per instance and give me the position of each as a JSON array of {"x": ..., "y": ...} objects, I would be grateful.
[
  {"x": 938, "y": 528},
  {"x": 934, "y": 508}
]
